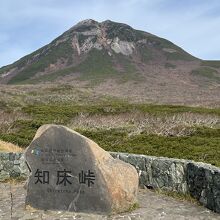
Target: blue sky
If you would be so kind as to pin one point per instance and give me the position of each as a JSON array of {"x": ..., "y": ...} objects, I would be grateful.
[{"x": 26, "y": 25}]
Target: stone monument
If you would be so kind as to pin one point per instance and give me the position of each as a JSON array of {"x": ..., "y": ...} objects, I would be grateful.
[{"x": 71, "y": 172}]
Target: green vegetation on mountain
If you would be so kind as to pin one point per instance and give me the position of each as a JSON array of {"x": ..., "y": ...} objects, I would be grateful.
[
  {"x": 93, "y": 51},
  {"x": 202, "y": 144},
  {"x": 179, "y": 56},
  {"x": 98, "y": 64},
  {"x": 211, "y": 63},
  {"x": 146, "y": 53},
  {"x": 123, "y": 32},
  {"x": 207, "y": 72},
  {"x": 170, "y": 65},
  {"x": 45, "y": 58}
]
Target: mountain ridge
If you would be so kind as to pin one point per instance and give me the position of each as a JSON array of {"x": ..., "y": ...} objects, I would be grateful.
[
  {"x": 70, "y": 49},
  {"x": 113, "y": 59}
]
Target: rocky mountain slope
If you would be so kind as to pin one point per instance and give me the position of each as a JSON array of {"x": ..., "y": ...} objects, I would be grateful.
[{"x": 115, "y": 58}]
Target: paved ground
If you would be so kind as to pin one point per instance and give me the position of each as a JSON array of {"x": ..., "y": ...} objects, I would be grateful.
[{"x": 152, "y": 206}]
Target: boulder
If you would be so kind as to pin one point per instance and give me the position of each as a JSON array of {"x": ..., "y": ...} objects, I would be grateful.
[{"x": 71, "y": 172}]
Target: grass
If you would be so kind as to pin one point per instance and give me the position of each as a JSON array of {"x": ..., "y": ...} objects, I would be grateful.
[
  {"x": 62, "y": 112},
  {"x": 200, "y": 145},
  {"x": 178, "y": 196},
  {"x": 53, "y": 76},
  {"x": 178, "y": 56},
  {"x": 118, "y": 125},
  {"x": 133, "y": 207},
  {"x": 170, "y": 65},
  {"x": 172, "y": 109},
  {"x": 207, "y": 72},
  {"x": 162, "y": 43},
  {"x": 48, "y": 55},
  {"x": 211, "y": 63},
  {"x": 129, "y": 71},
  {"x": 15, "y": 180},
  {"x": 146, "y": 53},
  {"x": 97, "y": 65},
  {"x": 9, "y": 147},
  {"x": 4, "y": 69}
]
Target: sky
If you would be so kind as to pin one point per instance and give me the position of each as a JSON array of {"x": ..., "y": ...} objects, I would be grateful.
[{"x": 27, "y": 25}]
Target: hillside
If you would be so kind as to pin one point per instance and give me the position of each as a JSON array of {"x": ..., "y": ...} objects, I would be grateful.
[
  {"x": 115, "y": 59},
  {"x": 128, "y": 90}
]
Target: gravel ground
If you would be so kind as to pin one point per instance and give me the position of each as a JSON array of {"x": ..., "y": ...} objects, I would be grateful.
[{"x": 152, "y": 206}]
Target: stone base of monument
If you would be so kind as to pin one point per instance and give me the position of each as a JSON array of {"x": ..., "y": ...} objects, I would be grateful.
[{"x": 71, "y": 172}]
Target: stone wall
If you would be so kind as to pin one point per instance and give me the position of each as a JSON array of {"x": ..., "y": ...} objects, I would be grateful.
[
  {"x": 203, "y": 182},
  {"x": 200, "y": 180},
  {"x": 12, "y": 165},
  {"x": 158, "y": 172}
]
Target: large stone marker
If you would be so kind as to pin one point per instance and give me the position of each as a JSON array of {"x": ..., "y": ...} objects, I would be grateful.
[{"x": 71, "y": 172}]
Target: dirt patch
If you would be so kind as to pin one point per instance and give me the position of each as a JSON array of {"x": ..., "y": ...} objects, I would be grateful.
[{"x": 151, "y": 206}]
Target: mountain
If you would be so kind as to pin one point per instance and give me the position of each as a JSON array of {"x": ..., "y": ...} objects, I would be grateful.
[{"x": 108, "y": 51}]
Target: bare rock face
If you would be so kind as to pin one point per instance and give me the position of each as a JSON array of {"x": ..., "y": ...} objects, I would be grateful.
[{"x": 71, "y": 172}]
